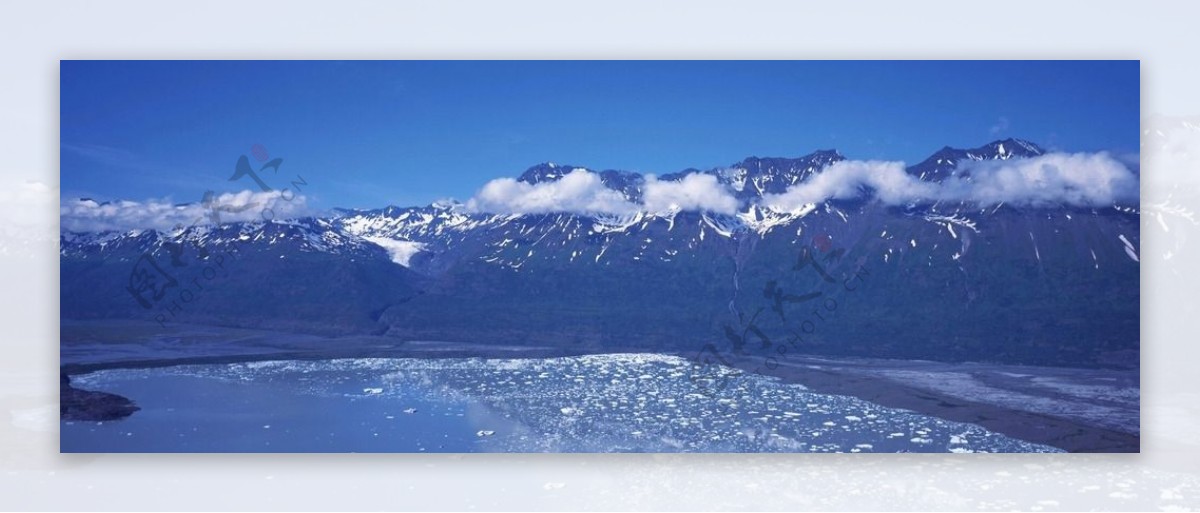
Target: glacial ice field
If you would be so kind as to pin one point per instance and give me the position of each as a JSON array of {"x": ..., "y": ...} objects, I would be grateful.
[{"x": 595, "y": 403}]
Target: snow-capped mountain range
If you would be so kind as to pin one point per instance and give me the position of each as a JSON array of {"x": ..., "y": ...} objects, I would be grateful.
[
  {"x": 945, "y": 280},
  {"x": 407, "y": 231}
]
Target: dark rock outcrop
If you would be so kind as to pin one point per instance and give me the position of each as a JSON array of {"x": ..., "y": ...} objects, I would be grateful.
[{"x": 86, "y": 405}]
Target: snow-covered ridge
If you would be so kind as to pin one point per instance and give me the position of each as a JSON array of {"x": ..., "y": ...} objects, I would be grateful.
[
  {"x": 303, "y": 235},
  {"x": 510, "y": 239}
]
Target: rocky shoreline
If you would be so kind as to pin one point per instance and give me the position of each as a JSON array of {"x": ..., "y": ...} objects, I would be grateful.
[{"x": 86, "y": 405}]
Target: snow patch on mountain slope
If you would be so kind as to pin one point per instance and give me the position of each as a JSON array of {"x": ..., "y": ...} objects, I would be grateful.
[{"x": 400, "y": 251}]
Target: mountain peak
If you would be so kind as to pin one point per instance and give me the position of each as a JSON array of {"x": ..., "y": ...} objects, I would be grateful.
[
  {"x": 546, "y": 172},
  {"x": 944, "y": 161},
  {"x": 756, "y": 176},
  {"x": 822, "y": 156},
  {"x": 447, "y": 204},
  {"x": 1012, "y": 147},
  {"x": 827, "y": 153}
]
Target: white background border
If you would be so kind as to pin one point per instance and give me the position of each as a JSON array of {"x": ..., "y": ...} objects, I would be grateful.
[{"x": 35, "y": 35}]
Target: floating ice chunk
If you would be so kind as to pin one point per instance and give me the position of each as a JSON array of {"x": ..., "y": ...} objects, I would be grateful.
[{"x": 636, "y": 413}]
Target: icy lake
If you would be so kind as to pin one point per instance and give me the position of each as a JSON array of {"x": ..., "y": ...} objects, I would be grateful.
[{"x": 596, "y": 403}]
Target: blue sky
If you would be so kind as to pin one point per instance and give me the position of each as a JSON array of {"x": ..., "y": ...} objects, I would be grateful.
[{"x": 370, "y": 134}]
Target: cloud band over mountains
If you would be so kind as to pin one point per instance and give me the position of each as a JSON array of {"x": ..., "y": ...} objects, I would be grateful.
[
  {"x": 1069, "y": 179},
  {"x": 583, "y": 192},
  {"x": 1078, "y": 180},
  {"x": 580, "y": 191},
  {"x": 694, "y": 191},
  {"x": 163, "y": 215},
  {"x": 1055, "y": 179}
]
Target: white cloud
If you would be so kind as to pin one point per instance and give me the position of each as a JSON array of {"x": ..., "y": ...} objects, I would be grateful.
[
  {"x": 1054, "y": 179},
  {"x": 27, "y": 204},
  {"x": 1077, "y": 179},
  {"x": 583, "y": 192},
  {"x": 165, "y": 215},
  {"x": 580, "y": 192},
  {"x": 1000, "y": 126},
  {"x": 29, "y": 226},
  {"x": 848, "y": 179},
  {"x": 1080, "y": 179},
  {"x": 695, "y": 191}
]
